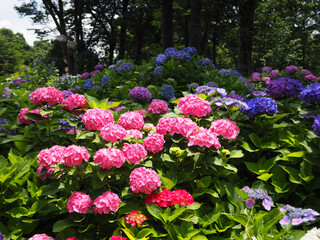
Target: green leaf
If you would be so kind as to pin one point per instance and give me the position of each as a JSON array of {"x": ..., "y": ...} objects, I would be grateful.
[
  {"x": 255, "y": 139},
  {"x": 155, "y": 211},
  {"x": 18, "y": 212},
  {"x": 199, "y": 237},
  {"x": 236, "y": 154},
  {"x": 176, "y": 213},
  {"x": 293, "y": 174},
  {"x": 265, "y": 177},
  {"x": 248, "y": 147},
  {"x": 144, "y": 233},
  {"x": 306, "y": 171},
  {"x": 34, "y": 116},
  {"x": 298, "y": 154},
  {"x": 62, "y": 224},
  {"x": 167, "y": 183},
  {"x": 129, "y": 233}
]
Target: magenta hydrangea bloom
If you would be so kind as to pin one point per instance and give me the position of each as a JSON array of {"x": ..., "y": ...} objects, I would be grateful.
[
  {"x": 117, "y": 237},
  {"x": 311, "y": 77},
  {"x": 109, "y": 158},
  {"x": 51, "y": 156},
  {"x": 75, "y": 101},
  {"x": 226, "y": 128},
  {"x": 203, "y": 137},
  {"x": 46, "y": 95},
  {"x": 79, "y": 202},
  {"x": 73, "y": 155},
  {"x": 291, "y": 69},
  {"x": 131, "y": 120},
  {"x": 154, "y": 143},
  {"x": 134, "y": 153},
  {"x": 113, "y": 132},
  {"x": 163, "y": 125},
  {"x": 144, "y": 180},
  {"x": 158, "y": 106},
  {"x": 195, "y": 106},
  {"x": 85, "y": 75},
  {"x": 95, "y": 119},
  {"x": 181, "y": 125},
  {"x": 22, "y": 119},
  {"x": 106, "y": 202},
  {"x": 256, "y": 76},
  {"x": 266, "y": 69},
  {"x": 41, "y": 237},
  {"x": 135, "y": 134},
  {"x": 274, "y": 74}
]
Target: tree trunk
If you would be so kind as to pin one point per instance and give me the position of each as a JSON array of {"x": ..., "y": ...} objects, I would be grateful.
[
  {"x": 195, "y": 24},
  {"x": 122, "y": 47},
  {"x": 246, "y": 17},
  {"x": 167, "y": 24}
]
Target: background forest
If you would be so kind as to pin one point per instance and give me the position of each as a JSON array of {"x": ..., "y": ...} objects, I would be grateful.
[{"x": 239, "y": 34}]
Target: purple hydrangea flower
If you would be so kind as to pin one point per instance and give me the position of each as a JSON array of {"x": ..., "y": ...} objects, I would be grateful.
[
  {"x": 259, "y": 106},
  {"x": 104, "y": 80},
  {"x": 170, "y": 52},
  {"x": 124, "y": 67},
  {"x": 206, "y": 62},
  {"x": 140, "y": 94},
  {"x": 284, "y": 86},
  {"x": 95, "y": 72},
  {"x": 228, "y": 102},
  {"x": 311, "y": 77},
  {"x": 85, "y": 75},
  {"x": 316, "y": 125},
  {"x": 182, "y": 55},
  {"x": 274, "y": 74},
  {"x": 167, "y": 91},
  {"x": 224, "y": 72},
  {"x": 311, "y": 93},
  {"x": 1, "y": 236},
  {"x": 120, "y": 61},
  {"x": 291, "y": 69},
  {"x": 235, "y": 96},
  {"x": 267, "y": 202},
  {"x": 212, "y": 84},
  {"x": 256, "y": 76},
  {"x": 204, "y": 89},
  {"x": 66, "y": 93},
  {"x": 266, "y": 69},
  {"x": 18, "y": 81},
  {"x": 221, "y": 91},
  {"x": 98, "y": 67},
  {"x": 158, "y": 71},
  {"x": 160, "y": 59},
  {"x": 297, "y": 215},
  {"x": 193, "y": 86},
  {"x": 305, "y": 72},
  {"x": 250, "y": 202},
  {"x": 190, "y": 50},
  {"x": 6, "y": 93},
  {"x": 113, "y": 66},
  {"x": 64, "y": 125}
]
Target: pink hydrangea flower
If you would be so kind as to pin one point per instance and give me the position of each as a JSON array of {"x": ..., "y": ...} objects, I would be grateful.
[
  {"x": 79, "y": 202},
  {"x": 75, "y": 101},
  {"x": 45, "y": 175},
  {"x": 135, "y": 218},
  {"x": 226, "y": 128},
  {"x": 158, "y": 106},
  {"x": 41, "y": 237},
  {"x": 136, "y": 134},
  {"x": 267, "y": 80},
  {"x": 195, "y": 106},
  {"x": 109, "y": 157},
  {"x": 51, "y": 156},
  {"x": 134, "y": 153},
  {"x": 163, "y": 125},
  {"x": 181, "y": 125},
  {"x": 106, "y": 202},
  {"x": 113, "y": 132},
  {"x": 71, "y": 131},
  {"x": 141, "y": 111},
  {"x": 48, "y": 95},
  {"x": 131, "y": 120},
  {"x": 154, "y": 143},
  {"x": 117, "y": 237},
  {"x": 144, "y": 180},
  {"x": 24, "y": 111},
  {"x": 72, "y": 238},
  {"x": 203, "y": 137},
  {"x": 73, "y": 155},
  {"x": 95, "y": 119}
]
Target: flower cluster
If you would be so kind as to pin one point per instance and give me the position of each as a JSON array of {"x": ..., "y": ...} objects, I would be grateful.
[
  {"x": 79, "y": 202},
  {"x": 161, "y": 58},
  {"x": 193, "y": 86},
  {"x": 158, "y": 106},
  {"x": 311, "y": 93},
  {"x": 46, "y": 95},
  {"x": 42, "y": 236},
  {"x": 203, "y": 137},
  {"x": 190, "y": 50},
  {"x": 212, "y": 84},
  {"x": 96, "y": 118},
  {"x": 226, "y": 128},
  {"x": 206, "y": 62},
  {"x": 75, "y": 101},
  {"x": 154, "y": 143},
  {"x": 224, "y": 72},
  {"x": 167, "y": 92},
  {"x": 85, "y": 75},
  {"x": 257, "y": 194},
  {"x": 131, "y": 120},
  {"x": 274, "y": 74},
  {"x": 195, "y": 106},
  {"x": 170, "y": 52},
  {"x": 73, "y": 155},
  {"x": 98, "y": 67},
  {"x": 297, "y": 215},
  {"x": 134, "y": 153},
  {"x": 284, "y": 86},
  {"x": 124, "y": 67},
  {"x": 256, "y": 76},
  {"x": 135, "y": 218},
  {"x": 266, "y": 69},
  {"x": 66, "y": 93},
  {"x": 291, "y": 69},
  {"x": 316, "y": 125},
  {"x": 135, "y": 134},
  {"x": 180, "y": 125},
  {"x": 140, "y": 94},
  {"x": 305, "y": 72},
  {"x": 182, "y": 55},
  {"x": 168, "y": 198},
  {"x": 106, "y": 202},
  {"x": 117, "y": 237},
  {"x": 144, "y": 180},
  {"x": 311, "y": 77},
  {"x": 104, "y": 80},
  {"x": 259, "y": 106},
  {"x": 109, "y": 158},
  {"x": 113, "y": 132},
  {"x": 51, "y": 156},
  {"x": 22, "y": 118},
  {"x": 158, "y": 71}
]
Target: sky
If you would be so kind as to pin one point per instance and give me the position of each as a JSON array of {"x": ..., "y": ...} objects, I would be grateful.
[{"x": 9, "y": 18}]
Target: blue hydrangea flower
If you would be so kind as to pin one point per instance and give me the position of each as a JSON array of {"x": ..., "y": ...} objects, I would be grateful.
[
  {"x": 259, "y": 106},
  {"x": 124, "y": 67},
  {"x": 212, "y": 84},
  {"x": 158, "y": 71},
  {"x": 114, "y": 67},
  {"x": 170, "y": 52},
  {"x": 104, "y": 80},
  {"x": 66, "y": 93},
  {"x": 190, "y": 50},
  {"x": 167, "y": 91},
  {"x": 206, "y": 62},
  {"x": 316, "y": 125},
  {"x": 182, "y": 55},
  {"x": 3, "y": 128},
  {"x": 204, "y": 89},
  {"x": 297, "y": 215},
  {"x": 193, "y": 86},
  {"x": 224, "y": 72},
  {"x": 261, "y": 194},
  {"x": 64, "y": 125},
  {"x": 311, "y": 93},
  {"x": 96, "y": 87},
  {"x": 120, "y": 61},
  {"x": 284, "y": 86},
  {"x": 161, "y": 58},
  {"x": 140, "y": 94},
  {"x": 88, "y": 84},
  {"x": 235, "y": 73},
  {"x": 229, "y": 102}
]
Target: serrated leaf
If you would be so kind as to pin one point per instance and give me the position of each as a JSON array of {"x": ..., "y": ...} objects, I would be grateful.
[{"x": 62, "y": 224}]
